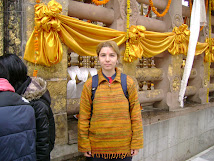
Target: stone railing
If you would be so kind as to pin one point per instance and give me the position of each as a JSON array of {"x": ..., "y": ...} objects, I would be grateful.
[{"x": 167, "y": 74}]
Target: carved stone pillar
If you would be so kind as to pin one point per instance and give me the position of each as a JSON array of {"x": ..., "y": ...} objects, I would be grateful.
[
  {"x": 170, "y": 84},
  {"x": 174, "y": 15},
  {"x": 12, "y": 27},
  {"x": 56, "y": 76},
  {"x": 170, "y": 64},
  {"x": 204, "y": 71},
  {"x": 120, "y": 16},
  {"x": 201, "y": 86},
  {"x": 201, "y": 81}
]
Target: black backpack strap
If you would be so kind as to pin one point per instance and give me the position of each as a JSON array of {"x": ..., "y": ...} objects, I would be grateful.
[
  {"x": 93, "y": 89},
  {"x": 94, "y": 86},
  {"x": 124, "y": 84}
]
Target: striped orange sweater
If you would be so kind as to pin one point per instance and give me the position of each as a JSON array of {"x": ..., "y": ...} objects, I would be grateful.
[{"x": 112, "y": 131}]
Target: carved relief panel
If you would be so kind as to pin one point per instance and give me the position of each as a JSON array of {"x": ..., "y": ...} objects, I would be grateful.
[
  {"x": 13, "y": 26},
  {"x": 134, "y": 11}
]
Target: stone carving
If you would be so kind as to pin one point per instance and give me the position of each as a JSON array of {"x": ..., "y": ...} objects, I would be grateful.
[
  {"x": 205, "y": 82},
  {"x": 206, "y": 31},
  {"x": 175, "y": 84},
  {"x": 134, "y": 12},
  {"x": 153, "y": 94},
  {"x": 149, "y": 74},
  {"x": 12, "y": 30},
  {"x": 177, "y": 20}
]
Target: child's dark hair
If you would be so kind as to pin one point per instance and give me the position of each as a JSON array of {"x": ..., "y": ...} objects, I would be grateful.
[
  {"x": 16, "y": 68},
  {"x": 3, "y": 72}
]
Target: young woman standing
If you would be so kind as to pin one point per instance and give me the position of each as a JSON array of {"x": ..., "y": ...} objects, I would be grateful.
[{"x": 113, "y": 130}]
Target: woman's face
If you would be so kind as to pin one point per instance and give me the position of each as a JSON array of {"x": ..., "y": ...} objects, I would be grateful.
[{"x": 108, "y": 59}]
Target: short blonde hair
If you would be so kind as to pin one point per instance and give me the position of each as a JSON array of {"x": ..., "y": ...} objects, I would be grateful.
[{"x": 111, "y": 44}]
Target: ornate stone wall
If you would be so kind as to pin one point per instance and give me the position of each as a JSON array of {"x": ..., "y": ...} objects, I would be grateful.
[{"x": 13, "y": 26}]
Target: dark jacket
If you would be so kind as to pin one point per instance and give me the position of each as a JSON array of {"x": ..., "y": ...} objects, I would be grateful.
[
  {"x": 35, "y": 91},
  {"x": 17, "y": 128}
]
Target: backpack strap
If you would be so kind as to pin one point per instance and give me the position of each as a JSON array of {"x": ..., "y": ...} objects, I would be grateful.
[
  {"x": 124, "y": 84},
  {"x": 93, "y": 89},
  {"x": 94, "y": 86}
]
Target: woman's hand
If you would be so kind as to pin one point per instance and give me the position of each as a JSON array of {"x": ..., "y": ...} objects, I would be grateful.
[
  {"x": 134, "y": 152},
  {"x": 87, "y": 154}
]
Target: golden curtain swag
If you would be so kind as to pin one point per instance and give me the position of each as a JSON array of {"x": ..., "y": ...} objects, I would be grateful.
[
  {"x": 83, "y": 37},
  {"x": 206, "y": 56},
  {"x": 80, "y": 36}
]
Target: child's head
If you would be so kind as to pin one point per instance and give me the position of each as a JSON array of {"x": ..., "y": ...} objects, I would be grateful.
[
  {"x": 16, "y": 68},
  {"x": 111, "y": 44},
  {"x": 3, "y": 72}
]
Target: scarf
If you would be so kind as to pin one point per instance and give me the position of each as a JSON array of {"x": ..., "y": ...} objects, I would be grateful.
[{"x": 5, "y": 85}]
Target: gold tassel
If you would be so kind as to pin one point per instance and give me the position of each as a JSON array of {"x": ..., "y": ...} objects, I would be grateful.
[
  {"x": 113, "y": 155},
  {"x": 105, "y": 157}
]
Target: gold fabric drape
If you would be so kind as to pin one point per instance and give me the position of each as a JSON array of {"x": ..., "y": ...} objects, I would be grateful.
[
  {"x": 180, "y": 40},
  {"x": 48, "y": 25},
  {"x": 83, "y": 37},
  {"x": 148, "y": 44},
  {"x": 206, "y": 56}
]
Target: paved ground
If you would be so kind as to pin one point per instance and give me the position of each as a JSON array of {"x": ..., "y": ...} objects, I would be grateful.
[{"x": 207, "y": 155}]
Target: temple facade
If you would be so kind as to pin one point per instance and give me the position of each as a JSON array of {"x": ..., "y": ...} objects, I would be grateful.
[{"x": 171, "y": 132}]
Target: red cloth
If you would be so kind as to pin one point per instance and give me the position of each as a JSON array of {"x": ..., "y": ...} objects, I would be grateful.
[
  {"x": 5, "y": 85},
  {"x": 110, "y": 80}
]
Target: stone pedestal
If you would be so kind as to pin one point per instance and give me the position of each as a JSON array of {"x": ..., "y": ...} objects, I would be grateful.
[{"x": 170, "y": 64}]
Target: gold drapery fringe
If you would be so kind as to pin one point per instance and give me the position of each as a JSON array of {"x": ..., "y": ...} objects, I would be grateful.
[
  {"x": 83, "y": 37},
  {"x": 111, "y": 155}
]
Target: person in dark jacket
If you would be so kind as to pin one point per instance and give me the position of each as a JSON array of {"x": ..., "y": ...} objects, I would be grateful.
[
  {"x": 34, "y": 89},
  {"x": 17, "y": 124}
]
